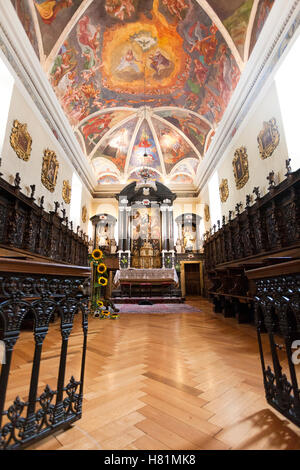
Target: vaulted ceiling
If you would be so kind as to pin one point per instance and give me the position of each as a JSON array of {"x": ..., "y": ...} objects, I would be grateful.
[{"x": 143, "y": 82}]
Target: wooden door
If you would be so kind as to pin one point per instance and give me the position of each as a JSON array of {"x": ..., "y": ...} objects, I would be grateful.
[{"x": 192, "y": 279}]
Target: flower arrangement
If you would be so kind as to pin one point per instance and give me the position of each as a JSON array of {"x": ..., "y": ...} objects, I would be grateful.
[{"x": 100, "y": 307}]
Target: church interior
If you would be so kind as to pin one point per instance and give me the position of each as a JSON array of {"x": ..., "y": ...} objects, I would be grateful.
[{"x": 149, "y": 235}]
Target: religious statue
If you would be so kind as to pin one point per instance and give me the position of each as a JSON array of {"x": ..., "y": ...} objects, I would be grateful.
[{"x": 189, "y": 240}]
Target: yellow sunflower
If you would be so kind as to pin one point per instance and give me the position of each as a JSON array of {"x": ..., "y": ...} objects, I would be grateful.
[
  {"x": 100, "y": 303},
  {"x": 97, "y": 254},
  {"x": 101, "y": 268},
  {"x": 102, "y": 281}
]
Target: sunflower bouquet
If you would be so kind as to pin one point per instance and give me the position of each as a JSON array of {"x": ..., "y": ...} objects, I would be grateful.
[{"x": 100, "y": 308}]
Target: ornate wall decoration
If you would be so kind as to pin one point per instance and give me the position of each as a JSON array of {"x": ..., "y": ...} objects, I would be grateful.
[
  {"x": 268, "y": 138},
  {"x": 66, "y": 191},
  {"x": 20, "y": 140},
  {"x": 206, "y": 212},
  {"x": 49, "y": 170},
  {"x": 224, "y": 191},
  {"x": 240, "y": 167},
  {"x": 84, "y": 214}
]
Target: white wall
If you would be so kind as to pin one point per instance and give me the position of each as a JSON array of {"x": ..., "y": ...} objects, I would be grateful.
[{"x": 30, "y": 171}]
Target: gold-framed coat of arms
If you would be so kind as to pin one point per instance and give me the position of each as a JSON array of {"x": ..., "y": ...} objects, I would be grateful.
[
  {"x": 240, "y": 167},
  {"x": 268, "y": 138},
  {"x": 224, "y": 190},
  {"x": 49, "y": 170},
  {"x": 66, "y": 191},
  {"x": 20, "y": 140},
  {"x": 206, "y": 212},
  {"x": 84, "y": 214}
]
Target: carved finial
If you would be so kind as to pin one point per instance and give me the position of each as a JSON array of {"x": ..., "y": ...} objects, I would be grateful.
[
  {"x": 219, "y": 224},
  {"x": 78, "y": 227},
  {"x": 288, "y": 167},
  {"x": 71, "y": 225},
  {"x": 256, "y": 192},
  {"x": 214, "y": 227},
  {"x": 67, "y": 221},
  {"x": 248, "y": 200},
  {"x": 32, "y": 187},
  {"x": 17, "y": 181},
  {"x": 238, "y": 207},
  {"x": 63, "y": 211},
  {"x": 210, "y": 231},
  {"x": 81, "y": 233},
  {"x": 223, "y": 220},
  {"x": 56, "y": 206},
  {"x": 271, "y": 180},
  {"x": 230, "y": 215},
  {"x": 42, "y": 202}
]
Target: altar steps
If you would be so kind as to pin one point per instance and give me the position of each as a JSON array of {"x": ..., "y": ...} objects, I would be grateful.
[{"x": 153, "y": 300}]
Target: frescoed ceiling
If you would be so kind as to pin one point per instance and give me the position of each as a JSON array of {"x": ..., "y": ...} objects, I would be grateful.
[{"x": 143, "y": 82}]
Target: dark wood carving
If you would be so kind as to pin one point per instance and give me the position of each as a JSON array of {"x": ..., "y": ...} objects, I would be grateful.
[
  {"x": 264, "y": 231},
  {"x": 27, "y": 226}
]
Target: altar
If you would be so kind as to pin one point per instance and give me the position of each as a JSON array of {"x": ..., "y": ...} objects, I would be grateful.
[
  {"x": 138, "y": 276},
  {"x": 145, "y": 280}
]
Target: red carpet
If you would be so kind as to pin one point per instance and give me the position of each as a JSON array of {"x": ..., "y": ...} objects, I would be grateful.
[{"x": 157, "y": 308}]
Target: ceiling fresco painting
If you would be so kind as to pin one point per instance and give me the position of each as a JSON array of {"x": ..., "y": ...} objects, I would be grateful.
[
  {"x": 182, "y": 178},
  {"x": 193, "y": 127},
  {"x": 144, "y": 145},
  {"x": 95, "y": 127},
  {"x": 175, "y": 62},
  {"x": 25, "y": 14},
  {"x": 115, "y": 146}
]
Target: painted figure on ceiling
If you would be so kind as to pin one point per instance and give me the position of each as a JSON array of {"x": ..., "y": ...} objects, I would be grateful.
[
  {"x": 129, "y": 61},
  {"x": 175, "y": 7},
  {"x": 159, "y": 61},
  {"x": 48, "y": 9},
  {"x": 200, "y": 72},
  {"x": 228, "y": 74},
  {"x": 120, "y": 8},
  {"x": 97, "y": 125},
  {"x": 65, "y": 62},
  {"x": 207, "y": 45},
  {"x": 87, "y": 34}
]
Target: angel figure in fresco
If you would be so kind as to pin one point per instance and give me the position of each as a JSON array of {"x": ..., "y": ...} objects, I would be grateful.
[
  {"x": 87, "y": 34},
  {"x": 200, "y": 72},
  {"x": 128, "y": 61},
  {"x": 208, "y": 45},
  {"x": 228, "y": 74},
  {"x": 48, "y": 9},
  {"x": 159, "y": 61},
  {"x": 96, "y": 125},
  {"x": 175, "y": 7},
  {"x": 64, "y": 62},
  {"x": 120, "y": 8}
]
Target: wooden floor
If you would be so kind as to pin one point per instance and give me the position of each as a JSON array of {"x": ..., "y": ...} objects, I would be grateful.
[{"x": 168, "y": 381}]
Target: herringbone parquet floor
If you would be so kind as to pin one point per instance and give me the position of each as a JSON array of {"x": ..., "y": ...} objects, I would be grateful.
[{"x": 170, "y": 381}]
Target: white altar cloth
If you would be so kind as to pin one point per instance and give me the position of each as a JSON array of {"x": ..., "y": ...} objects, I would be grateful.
[{"x": 136, "y": 276}]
